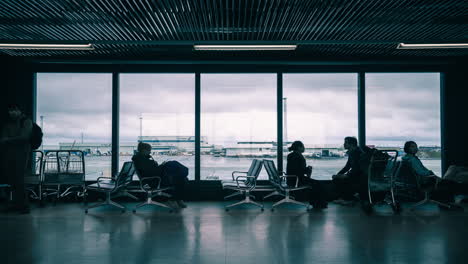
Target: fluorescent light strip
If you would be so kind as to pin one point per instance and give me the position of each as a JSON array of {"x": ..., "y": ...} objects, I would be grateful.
[
  {"x": 244, "y": 47},
  {"x": 433, "y": 46},
  {"x": 48, "y": 46}
]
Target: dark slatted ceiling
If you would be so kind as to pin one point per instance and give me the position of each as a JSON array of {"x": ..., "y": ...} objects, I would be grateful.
[{"x": 142, "y": 28}]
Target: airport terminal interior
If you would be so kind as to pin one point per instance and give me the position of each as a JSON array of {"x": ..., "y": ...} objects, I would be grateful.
[{"x": 218, "y": 93}]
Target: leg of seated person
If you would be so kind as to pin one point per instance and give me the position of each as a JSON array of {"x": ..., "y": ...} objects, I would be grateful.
[
  {"x": 446, "y": 191},
  {"x": 179, "y": 191},
  {"x": 316, "y": 194},
  {"x": 344, "y": 188}
]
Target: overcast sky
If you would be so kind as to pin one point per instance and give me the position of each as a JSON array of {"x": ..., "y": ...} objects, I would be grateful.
[{"x": 321, "y": 108}]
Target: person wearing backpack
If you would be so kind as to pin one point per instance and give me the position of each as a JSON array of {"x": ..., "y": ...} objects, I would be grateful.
[
  {"x": 15, "y": 142},
  {"x": 348, "y": 180}
]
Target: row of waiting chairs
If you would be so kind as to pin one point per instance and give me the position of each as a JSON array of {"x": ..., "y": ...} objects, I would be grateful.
[
  {"x": 246, "y": 184},
  {"x": 386, "y": 174},
  {"x": 120, "y": 186},
  {"x": 399, "y": 180}
]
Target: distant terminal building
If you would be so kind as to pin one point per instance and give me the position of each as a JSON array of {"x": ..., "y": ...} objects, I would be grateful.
[
  {"x": 270, "y": 148},
  {"x": 164, "y": 145},
  {"x": 175, "y": 144},
  {"x": 252, "y": 149}
]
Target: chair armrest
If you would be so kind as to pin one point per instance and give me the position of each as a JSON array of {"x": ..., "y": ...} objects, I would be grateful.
[
  {"x": 98, "y": 180},
  {"x": 246, "y": 177},
  {"x": 291, "y": 176},
  {"x": 150, "y": 178},
  {"x": 235, "y": 172}
]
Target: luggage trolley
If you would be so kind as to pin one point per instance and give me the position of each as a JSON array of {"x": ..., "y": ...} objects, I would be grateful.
[
  {"x": 33, "y": 180},
  {"x": 64, "y": 168}
]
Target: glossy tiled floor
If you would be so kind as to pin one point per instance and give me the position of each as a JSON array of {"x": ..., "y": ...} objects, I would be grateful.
[{"x": 205, "y": 233}]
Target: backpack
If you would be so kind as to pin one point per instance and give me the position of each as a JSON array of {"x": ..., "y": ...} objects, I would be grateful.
[
  {"x": 36, "y": 136},
  {"x": 368, "y": 153},
  {"x": 174, "y": 172}
]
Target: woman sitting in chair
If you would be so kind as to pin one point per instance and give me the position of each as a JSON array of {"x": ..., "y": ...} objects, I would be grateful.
[
  {"x": 148, "y": 167},
  {"x": 445, "y": 190},
  {"x": 296, "y": 165}
]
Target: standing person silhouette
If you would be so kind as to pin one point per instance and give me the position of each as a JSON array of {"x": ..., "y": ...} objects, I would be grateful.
[{"x": 15, "y": 141}]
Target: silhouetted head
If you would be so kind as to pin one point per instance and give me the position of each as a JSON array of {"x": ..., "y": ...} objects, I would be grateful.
[
  {"x": 297, "y": 146},
  {"x": 410, "y": 147},
  {"x": 144, "y": 148},
  {"x": 350, "y": 142},
  {"x": 14, "y": 112}
]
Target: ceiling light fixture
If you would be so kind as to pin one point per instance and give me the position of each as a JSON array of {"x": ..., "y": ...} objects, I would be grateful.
[
  {"x": 244, "y": 47},
  {"x": 433, "y": 46},
  {"x": 47, "y": 46}
]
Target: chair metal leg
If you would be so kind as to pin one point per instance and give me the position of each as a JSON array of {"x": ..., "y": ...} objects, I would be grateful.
[
  {"x": 246, "y": 200},
  {"x": 126, "y": 194},
  {"x": 233, "y": 195},
  {"x": 273, "y": 194},
  {"x": 288, "y": 199},
  {"x": 151, "y": 202},
  {"x": 440, "y": 203},
  {"x": 96, "y": 205},
  {"x": 163, "y": 194},
  {"x": 116, "y": 204},
  {"x": 108, "y": 201}
]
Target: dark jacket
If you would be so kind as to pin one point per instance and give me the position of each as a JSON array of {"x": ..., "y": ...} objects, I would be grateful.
[
  {"x": 146, "y": 165},
  {"x": 296, "y": 165},
  {"x": 353, "y": 167}
]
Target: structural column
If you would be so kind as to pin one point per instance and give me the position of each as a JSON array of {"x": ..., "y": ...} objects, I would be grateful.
[
  {"x": 115, "y": 123},
  {"x": 362, "y": 109},
  {"x": 197, "y": 125},
  {"x": 279, "y": 111}
]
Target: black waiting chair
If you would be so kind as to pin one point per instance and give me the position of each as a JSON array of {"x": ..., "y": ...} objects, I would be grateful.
[
  {"x": 410, "y": 185},
  {"x": 151, "y": 186},
  {"x": 254, "y": 170},
  {"x": 245, "y": 184},
  {"x": 112, "y": 186},
  {"x": 279, "y": 181},
  {"x": 381, "y": 171}
]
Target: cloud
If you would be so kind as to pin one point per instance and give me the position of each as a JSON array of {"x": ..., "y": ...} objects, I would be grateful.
[{"x": 321, "y": 108}]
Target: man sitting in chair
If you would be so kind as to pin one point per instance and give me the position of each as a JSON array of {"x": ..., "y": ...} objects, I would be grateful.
[
  {"x": 445, "y": 189},
  {"x": 349, "y": 180},
  {"x": 148, "y": 167}
]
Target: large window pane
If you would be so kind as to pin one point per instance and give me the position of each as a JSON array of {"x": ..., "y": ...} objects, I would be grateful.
[
  {"x": 238, "y": 122},
  {"x": 320, "y": 110},
  {"x": 160, "y": 108},
  {"x": 402, "y": 107},
  {"x": 75, "y": 112}
]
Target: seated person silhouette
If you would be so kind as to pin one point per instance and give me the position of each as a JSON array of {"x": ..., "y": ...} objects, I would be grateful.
[
  {"x": 296, "y": 165},
  {"x": 445, "y": 189},
  {"x": 148, "y": 167},
  {"x": 350, "y": 179}
]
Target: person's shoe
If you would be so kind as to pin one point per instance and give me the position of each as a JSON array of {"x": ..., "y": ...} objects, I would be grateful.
[
  {"x": 339, "y": 201},
  {"x": 459, "y": 198},
  {"x": 172, "y": 204},
  {"x": 319, "y": 205},
  {"x": 181, "y": 204}
]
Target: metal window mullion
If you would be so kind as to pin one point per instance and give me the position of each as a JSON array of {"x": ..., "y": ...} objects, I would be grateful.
[
  {"x": 115, "y": 123},
  {"x": 443, "y": 124},
  {"x": 362, "y": 108},
  {"x": 197, "y": 126},
  {"x": 279, "y": 117}
]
